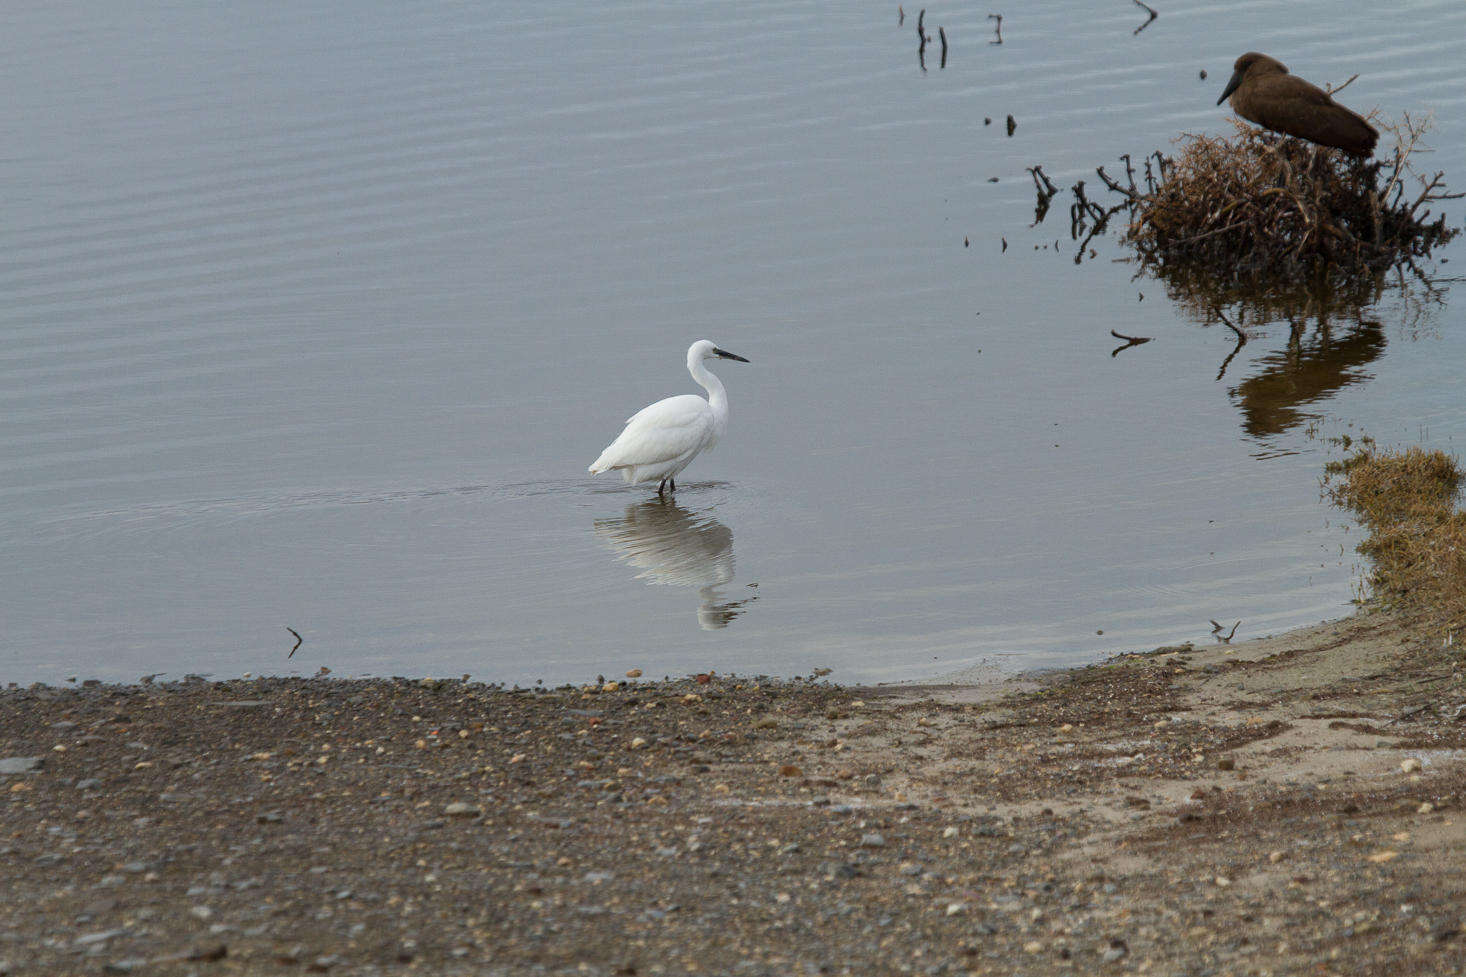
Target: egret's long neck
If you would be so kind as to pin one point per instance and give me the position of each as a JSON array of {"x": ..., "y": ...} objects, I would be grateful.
[{"x": 717, "y": 396}]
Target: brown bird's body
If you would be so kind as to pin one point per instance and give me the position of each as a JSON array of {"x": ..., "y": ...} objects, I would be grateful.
[{"x": 1262, "y": 91}]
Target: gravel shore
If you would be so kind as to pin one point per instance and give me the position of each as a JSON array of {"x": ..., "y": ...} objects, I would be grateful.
[{"x": 1291, "y": 805}]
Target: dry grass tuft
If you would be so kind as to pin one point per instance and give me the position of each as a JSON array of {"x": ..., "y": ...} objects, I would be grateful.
[{"x": 1417, "y": 537}]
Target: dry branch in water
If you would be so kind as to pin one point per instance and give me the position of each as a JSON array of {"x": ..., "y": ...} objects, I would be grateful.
[
  {"x": 1129, "y": 342},
  {"x": 1263, "y": 210},
  {"x": 1148, "y": 9},
  {"x": 1262, "y": 205}
]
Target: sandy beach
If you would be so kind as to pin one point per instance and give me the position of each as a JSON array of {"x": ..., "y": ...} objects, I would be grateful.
[{"x": 1289, "y": 805}]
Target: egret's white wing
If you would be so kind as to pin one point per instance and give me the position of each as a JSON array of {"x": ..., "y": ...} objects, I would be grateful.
[
  {"x": 672, "y": 411},
  {"x": 659, "y": 433}
]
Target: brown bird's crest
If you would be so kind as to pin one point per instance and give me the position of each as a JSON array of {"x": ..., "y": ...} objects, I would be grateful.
[{"x": 1262, "y": 91}]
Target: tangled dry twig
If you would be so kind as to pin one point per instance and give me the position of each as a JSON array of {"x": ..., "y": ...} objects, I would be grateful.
[{"x": 1263, "y": 210}]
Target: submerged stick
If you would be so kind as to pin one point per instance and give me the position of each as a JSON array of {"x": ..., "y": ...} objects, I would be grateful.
[
  {"x": 1129, "y": 342},
  {"x": 1153, "y": 15},
  {"x": 1113, "y": 185}
]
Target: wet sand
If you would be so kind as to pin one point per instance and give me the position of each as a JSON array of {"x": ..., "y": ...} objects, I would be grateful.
[{"x": 1290, "y": 805}]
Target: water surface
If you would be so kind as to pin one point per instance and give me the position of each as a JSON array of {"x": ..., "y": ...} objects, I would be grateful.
[{"x": 315, "y": 315}]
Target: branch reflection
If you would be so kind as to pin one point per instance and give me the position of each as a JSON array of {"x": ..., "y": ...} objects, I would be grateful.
[
  {"x": 1306, "y": 371},
  {"x": 1334, "y": 335}
]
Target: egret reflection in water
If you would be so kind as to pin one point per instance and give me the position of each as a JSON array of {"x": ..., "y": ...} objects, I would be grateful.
[{"x": 674, "y": 546}]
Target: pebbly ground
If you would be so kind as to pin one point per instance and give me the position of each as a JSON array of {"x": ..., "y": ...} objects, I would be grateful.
[{"x": 1290, "y": 806}]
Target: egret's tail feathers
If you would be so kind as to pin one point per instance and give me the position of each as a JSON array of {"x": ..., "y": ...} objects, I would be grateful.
[
  {"x": 602, "y": 464},
  {"x": 628, "y": 472}
]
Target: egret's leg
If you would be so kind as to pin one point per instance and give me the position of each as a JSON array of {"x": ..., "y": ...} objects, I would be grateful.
[
  {"x": 662, "y": 489},
  {"x": 672, "y": 484}
]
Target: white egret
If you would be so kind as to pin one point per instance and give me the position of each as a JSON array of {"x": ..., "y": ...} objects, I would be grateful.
[{"x": 662, "y": 439}]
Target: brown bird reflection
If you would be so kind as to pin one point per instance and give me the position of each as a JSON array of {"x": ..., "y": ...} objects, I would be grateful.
[
  {"x": 674, "y": 546},
  {"x": 1304, "y": 373},
  {"x": 1262, "y": 91}
]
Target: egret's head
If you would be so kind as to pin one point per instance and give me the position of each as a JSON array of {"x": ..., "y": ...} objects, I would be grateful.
[{"x": 706, "y": 349}]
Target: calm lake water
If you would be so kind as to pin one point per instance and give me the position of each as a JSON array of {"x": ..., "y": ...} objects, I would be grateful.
[{"x": 315, "y": 313}]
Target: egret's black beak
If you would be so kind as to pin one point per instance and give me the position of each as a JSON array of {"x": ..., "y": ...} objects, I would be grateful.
[
  {"x": 1231, "y": 85},
  {"x": 727, "y": 355}
]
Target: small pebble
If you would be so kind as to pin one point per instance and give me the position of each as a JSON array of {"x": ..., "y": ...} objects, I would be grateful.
[
  {"x": 1410, "y": 765},
  {"x": 91, "y": 938},
  {"x": 872, "y": 839},
  {"x": 19, "y": 764}
]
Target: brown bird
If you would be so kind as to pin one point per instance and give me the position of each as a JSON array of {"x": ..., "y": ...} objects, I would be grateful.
[{"x": 1263, "y": 92}]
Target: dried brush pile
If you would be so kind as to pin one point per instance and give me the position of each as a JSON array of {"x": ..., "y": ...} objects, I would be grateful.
[
  {"x": 1259, "y": 209},
  {"x": 1267, "y": 205},
  {"x": 1416, "y": 536}
]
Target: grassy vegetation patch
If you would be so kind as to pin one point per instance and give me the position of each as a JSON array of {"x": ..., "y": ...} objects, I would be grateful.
[{"x": 1416, "y": 536}]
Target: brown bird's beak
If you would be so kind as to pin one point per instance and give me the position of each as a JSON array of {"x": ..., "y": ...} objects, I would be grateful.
[{"x": 1231, "y": 86}]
